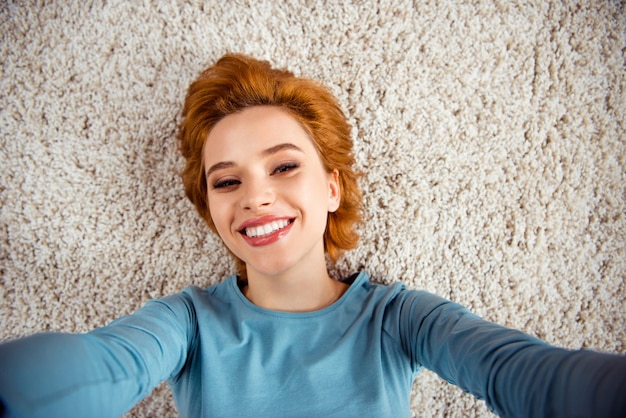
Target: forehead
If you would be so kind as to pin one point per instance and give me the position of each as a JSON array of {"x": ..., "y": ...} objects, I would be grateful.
[{"x": 252, "y": 130}]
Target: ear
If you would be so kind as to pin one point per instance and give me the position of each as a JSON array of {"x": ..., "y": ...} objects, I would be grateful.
[{"x": 334, "y": 191}]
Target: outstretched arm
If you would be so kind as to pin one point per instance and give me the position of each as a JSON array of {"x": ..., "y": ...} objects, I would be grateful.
[
  {"x": 102, "y": 373},
  {"x": 516, "y": 374}
]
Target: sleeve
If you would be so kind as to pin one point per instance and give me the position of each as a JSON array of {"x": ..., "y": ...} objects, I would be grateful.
[
  {"x": 516, "y": 374},
  {"x": 99, "y": 374}
]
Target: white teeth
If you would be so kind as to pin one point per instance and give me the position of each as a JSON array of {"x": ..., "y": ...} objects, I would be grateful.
[{"x": 262, "y": 230}]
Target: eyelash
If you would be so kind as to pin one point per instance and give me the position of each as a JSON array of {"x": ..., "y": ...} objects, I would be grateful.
[
  {"x": 222, "y": 184},
  {"x": 280, "y": 169},
  {"x": 285, "y": 167}
]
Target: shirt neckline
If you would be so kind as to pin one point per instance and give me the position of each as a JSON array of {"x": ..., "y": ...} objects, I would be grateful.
[{"x": 356, "y": 279}]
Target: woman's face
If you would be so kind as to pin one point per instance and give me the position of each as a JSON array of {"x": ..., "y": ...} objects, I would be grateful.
[{"x": 269, "y": 194}]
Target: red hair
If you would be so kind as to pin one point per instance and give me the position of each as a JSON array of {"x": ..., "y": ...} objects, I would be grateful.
[{"x": 237, "y": 82}]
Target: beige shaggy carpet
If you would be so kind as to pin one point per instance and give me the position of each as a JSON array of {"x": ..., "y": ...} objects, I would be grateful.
[{"x": 492, "y": 135}]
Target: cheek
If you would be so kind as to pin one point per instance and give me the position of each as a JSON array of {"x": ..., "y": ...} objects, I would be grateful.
[
  {"x": 315, "y": 195},
  {"x": 219, "y": 216}
]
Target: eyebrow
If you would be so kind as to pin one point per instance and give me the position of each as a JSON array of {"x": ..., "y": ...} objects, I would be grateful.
[
  {"x": 266, "y": 153},
  {"x": 280, "y": 147}
]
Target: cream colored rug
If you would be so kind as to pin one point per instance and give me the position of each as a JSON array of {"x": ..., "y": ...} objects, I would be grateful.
[{"x": 492, "y": 135}]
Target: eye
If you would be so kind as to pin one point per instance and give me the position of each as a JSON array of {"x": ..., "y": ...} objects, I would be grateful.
[
  {"x": 225, "y": 183},
  {"x": 285, "y": 167}
]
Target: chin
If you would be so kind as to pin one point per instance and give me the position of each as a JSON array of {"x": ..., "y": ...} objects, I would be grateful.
[{"x": 273, "y": 269}]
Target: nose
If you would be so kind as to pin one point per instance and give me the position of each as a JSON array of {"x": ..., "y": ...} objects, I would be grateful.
[{"x": 257, "y": 194}]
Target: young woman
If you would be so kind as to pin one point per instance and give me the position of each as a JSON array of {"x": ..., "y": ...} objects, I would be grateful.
[{"x": 269, "y": 168}]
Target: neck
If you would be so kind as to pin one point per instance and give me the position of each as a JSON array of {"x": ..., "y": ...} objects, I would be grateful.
[{"x": 294, "y": 291}]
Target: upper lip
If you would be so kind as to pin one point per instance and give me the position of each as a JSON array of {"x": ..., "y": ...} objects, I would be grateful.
[{"x": 262, "y": 220}]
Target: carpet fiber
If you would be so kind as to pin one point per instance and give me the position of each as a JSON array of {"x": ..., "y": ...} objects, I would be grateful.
[{"x": 491, "y": 135}]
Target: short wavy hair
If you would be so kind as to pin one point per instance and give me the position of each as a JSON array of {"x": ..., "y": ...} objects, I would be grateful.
[{"x": 237, "y": 82}]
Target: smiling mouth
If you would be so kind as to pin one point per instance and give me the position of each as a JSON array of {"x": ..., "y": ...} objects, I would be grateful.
[{"x": 266, "y": 229}]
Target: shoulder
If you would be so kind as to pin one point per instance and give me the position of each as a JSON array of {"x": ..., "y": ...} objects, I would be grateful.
[
  {"x": 196, "y": 298},
  {"x": 396, "y": 298},
  {"x": 183, "y": 307},
  {"x": 405, "y": 312},
  {"x": 204, "y": 308},
  {"x": 220, "y": 290}
]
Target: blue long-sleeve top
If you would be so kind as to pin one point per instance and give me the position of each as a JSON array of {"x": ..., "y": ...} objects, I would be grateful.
[{"x": 223, "y": 356}]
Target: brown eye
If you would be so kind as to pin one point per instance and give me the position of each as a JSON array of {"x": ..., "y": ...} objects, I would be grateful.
[
  {"x": 283, "y": 168},
  {"x": 223, "y": 184}
]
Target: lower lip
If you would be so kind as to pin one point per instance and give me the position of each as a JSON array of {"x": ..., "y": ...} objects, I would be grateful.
[{"x": 268, "y": 239}]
